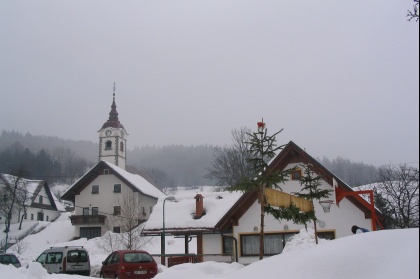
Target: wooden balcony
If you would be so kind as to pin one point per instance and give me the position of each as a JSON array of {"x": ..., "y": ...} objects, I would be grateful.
[{"x": 87, "y": 219}]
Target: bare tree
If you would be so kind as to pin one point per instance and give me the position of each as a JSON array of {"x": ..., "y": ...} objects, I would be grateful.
[
  {"x": 20, "y": 246},
  {"x": 129, "y": 221},
  {"x": 399, "y": 186},
  {"x": 414, "y": 14},
  {"x": 232, "y": 163}
]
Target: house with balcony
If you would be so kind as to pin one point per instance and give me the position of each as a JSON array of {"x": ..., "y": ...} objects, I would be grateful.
[
  {"x": 106, "y": 196},
  {"x": 227, "y": 225}
]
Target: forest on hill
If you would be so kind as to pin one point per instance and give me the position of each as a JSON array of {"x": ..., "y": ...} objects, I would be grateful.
[{"x": 64, "y": 161}]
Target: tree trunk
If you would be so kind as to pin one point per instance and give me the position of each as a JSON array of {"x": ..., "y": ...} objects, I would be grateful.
[{"x": 262, "y": 202}]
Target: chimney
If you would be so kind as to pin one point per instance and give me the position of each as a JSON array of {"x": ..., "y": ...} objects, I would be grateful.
[{"x": 199, "y": 206}]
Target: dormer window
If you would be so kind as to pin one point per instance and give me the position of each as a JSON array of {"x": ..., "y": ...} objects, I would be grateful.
[
  {"x": 40, "y": 199},
  {"x": 108, "y": 145}
]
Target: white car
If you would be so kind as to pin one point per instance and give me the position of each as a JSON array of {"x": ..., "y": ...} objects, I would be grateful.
[{"x": 68, "y": 260}]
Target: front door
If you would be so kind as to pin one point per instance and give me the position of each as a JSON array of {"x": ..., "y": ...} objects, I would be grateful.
[{"x": 40, "y": 216}]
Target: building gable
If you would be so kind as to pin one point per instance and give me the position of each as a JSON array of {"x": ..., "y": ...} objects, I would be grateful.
[{"x": 292, "y": 154}]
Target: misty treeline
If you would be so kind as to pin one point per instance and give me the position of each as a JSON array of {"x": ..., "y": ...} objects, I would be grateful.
[{"x": 63, "y": 161}]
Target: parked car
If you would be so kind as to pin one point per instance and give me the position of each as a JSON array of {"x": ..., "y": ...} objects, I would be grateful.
[
  {"x": 68, "y": 260},
  {"x": 129, "y": 264},
  {"x": 9, "y": 259}
]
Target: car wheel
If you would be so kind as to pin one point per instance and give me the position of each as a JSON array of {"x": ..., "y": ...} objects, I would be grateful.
[{"x": 101, "y": 275}]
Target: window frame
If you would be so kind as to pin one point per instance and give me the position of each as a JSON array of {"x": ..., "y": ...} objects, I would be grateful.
[
  {"x": 284, "y": 238},
  {"x": 296, "y": 174},
  {"x": 117, "y": 210},
  {"x": 95, "y": 190},
  {"x": 116, "y": 186},
  {"x": 95, "y": 211},
  {"x": 108, "y": 145}
]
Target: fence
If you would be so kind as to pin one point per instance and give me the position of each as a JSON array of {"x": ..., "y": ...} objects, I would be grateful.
[{"x": 175, "y": 259}]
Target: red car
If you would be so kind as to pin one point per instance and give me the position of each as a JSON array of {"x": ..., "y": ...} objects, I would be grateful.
[{"x": 129, "y": 264}]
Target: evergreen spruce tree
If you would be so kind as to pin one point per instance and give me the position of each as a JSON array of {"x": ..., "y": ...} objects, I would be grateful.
[
  {"x": 262, "y": 148},
  {"x": 310, "y": 183}
]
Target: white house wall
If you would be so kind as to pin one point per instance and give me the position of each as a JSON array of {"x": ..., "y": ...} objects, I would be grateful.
[
  {"x": 213, "y": 248},
  {"x": 106, "y": 199}
]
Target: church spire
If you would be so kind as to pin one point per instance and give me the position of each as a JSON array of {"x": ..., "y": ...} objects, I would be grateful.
[{"x": 113, "y": 115}]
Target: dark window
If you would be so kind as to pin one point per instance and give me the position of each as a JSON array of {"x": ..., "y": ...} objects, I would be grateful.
[
  {"x": 227, "y": 245},
  {"x": 273, "y": 243},
  {"x": 297, "y": 174},
  {"x": 116, "y": 229},
  {"x": 137, "y": 258},
  {"x": 117, "y": 210},
  {"x": 108, "y": 145},
  {"x": 90, "y": 233},
  {"x": 121, "y": 146},
  {"x": 85, "y": 210},
  {"x": 48, "y": 217},
  {"x": 32, "y": 216},
  {"x": 54, "y": 257},
  {"x": 77, "y": 256},
  {"x": 95, "y": 211},
  {"x": 95, "y": 189},
  {"x": 117, "y": 188},
  {"x": 41, "y": 199},
  {"x": 330, "y": 235},
  {"x": 40, "y": 216},
  {"x": 106, "y": 171}
]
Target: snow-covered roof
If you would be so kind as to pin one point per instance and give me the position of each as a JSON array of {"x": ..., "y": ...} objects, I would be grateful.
[
  {"x": 137, "y": 181},
  {"x": 179, "y": 214},
  {"x": 32, "y": 189}
]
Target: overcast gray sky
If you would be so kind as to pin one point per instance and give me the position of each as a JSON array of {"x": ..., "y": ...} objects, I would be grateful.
[{"x": 341, "y": 77}]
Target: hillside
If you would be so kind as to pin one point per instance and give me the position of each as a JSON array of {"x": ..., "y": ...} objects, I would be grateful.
[{"x": 173, "y": 165}]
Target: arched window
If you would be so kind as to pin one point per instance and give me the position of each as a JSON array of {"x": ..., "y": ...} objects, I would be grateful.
[
  {"x": 121, "y": 146},
  {"x": 108, "y": 145}
]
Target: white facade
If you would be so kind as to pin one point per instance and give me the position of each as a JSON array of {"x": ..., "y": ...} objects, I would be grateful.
[{"x": 108, "y": 198}]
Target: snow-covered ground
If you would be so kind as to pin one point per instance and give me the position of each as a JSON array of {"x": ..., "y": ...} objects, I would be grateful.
[{"x": 373, "y": 255}]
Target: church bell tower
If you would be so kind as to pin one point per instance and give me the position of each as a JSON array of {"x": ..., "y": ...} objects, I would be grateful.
[{"x": 113, "y": 139}]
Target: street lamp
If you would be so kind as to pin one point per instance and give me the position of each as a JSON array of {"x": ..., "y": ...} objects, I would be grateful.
[{"x": 162, "y": 249}]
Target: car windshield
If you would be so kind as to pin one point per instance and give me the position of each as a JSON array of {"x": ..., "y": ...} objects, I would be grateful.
[
  {"x": 41, "y": 258},
  {"x": 137, "y": 258},
  {"x": 8, "y": 259}
]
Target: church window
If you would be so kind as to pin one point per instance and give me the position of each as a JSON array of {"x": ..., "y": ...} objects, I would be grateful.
[
  {"x": 108, "y": 145},
  {"x": 121, "y": 146}
]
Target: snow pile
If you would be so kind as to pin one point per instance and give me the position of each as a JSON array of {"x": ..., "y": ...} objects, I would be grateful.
[
  {"x": 303, "y": 240},
  {"x": 205, "y": 270}
]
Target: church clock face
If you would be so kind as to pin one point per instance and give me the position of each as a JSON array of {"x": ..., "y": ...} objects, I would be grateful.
[{"x": 108, "y": 132}]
